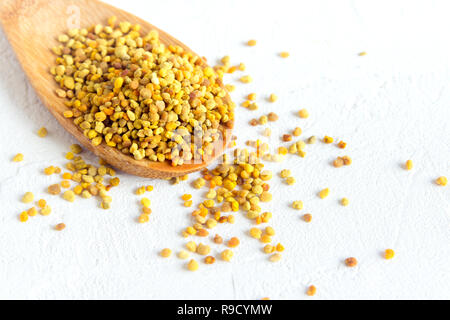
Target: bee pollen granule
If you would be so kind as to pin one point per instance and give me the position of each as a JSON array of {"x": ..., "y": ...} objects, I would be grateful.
[
  {"x": 389, "y": 254},
  {"x": 351, "y": 262},
  {"x": 442, "y": 181},
  {"x": 311, "y": 291},
  {"x": 18, "y": 158},
  {"x": 192, "y": 265},
  {"x": 166, "y": 253},
  {"x": 409, "y": 165},
  {"x": 28, "y": 197},
  {"x": 60, "y": 227}
]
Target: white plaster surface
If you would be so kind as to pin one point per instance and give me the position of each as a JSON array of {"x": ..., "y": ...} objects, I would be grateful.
[{"x": 390, "y": 106}]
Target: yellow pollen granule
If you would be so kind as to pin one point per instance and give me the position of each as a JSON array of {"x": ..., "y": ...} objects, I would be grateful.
[
  {"x": 183, "y": 255},
  {"x": 389, "y": 254},
  {"x": 143, "y": 218},
  {"x": 303, "y": 113},
  {"x": 298, "y": 205},
  {"x": 46, "y": 211},
  {"x": 324, "y": 193},
  {"x": 41, "y": 203},
  {"x": 60, "y": 227},
  {"x": 166, "y": 253},
  {"x": 28, "y": 197},
  {"x": 146, "y": 202},
  {"x": 192, "y": 265},
  {"x": 409, "y": 165},
  {"x": 32, "y": 212},
  {"x": 442, "y": 181},
  {"x": 311, "y": 291},
  {"x": 275, "y": 257},
  {"x": 69, "y": 195},
  {"x": 18, "y": 157},
  {"x": 42, "y": 132},
  {"x": 246, "y": 79},
  {"x": 227, "y": 255},
  {"x": 23, "y": 217}
]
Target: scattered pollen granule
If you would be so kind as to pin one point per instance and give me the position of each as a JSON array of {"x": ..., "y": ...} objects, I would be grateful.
[
  {"x": 290, "y": 181},
  {"x": 362, "y": 54},
  {"x": 351, "y": 262},
  {"x": 203, "y": 249},
  {"x": 146, "y": 202},
  {"x": 246, "y": 79},
  {"x": 54, "y": 189},
  {"x": 42, "y": 132},
  {"x": 218, "y": 239},
  {"x": 297, "y": 132},
  {"x": 183, "y": 255},
  {"x": 186, "y": 197},
  {"x": 188, "y": 203},
  {"x": 312, "y": 140},
  {"x": 41, "y": 203},
  {"x": 328, "y": 139},
  {"x": 227, "y": 255},
  {"x": 65, "y": 184},
  {"x": 28, "y": 197},
  {"x": 409, "y": 165},
  {"x": 442, "y": 181},
  {"x": 192, "y": 265},
  {"x": 307, "y": 217},
  {"x": 268, "y": 249},
  {"x": 143, "y": 218},
  {"x": 69, "y": 196},
  {"x": 251, "y": 43},
  {"x": 273, "y": 97},
  {"x": 46, "y": 211},
  {"x": 339, "y": 162},
  {"x": 76, "y": 148},
  {"x": 166, "y": 253},
  {"x": 23, "y": 217},
  {"x": 311, "y": 291},
  {"x": 272, "y": 117},
  {"x": 275, "y": 257},
  {"x": 324, "y": 193},
  {"x": 344, "y": 202},
  {"x": 60, "y": 227},
  {"x": 270, "y": 231},
  {"x": 255, "y": 233},
  {"x": 297, "y": 205},
  {"x": 234, "y": 242},
  {"x": 210, "y": 260},
  {"x": 389, "y": 254},
  {"x": 284, "y": 54},
  {"x": 303, "y": 113},
  {"x": 18, "y": 158},
  {"x": 32, "y": 212},
  {"x": 342, "y": 145}
]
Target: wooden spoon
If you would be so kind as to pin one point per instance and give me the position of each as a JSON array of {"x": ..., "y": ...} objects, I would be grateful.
[{"x": 32, "y": 28}]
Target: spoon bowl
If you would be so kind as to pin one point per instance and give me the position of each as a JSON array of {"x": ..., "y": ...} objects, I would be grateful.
[{"x": 32, "y": 28}]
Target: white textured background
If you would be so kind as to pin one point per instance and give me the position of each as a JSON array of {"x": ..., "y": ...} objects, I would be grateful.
[{"x": 390, "y": 106}]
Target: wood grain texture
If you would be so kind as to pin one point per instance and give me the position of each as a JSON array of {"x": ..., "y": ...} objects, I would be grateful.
[{"x": 32, "y": 27}]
